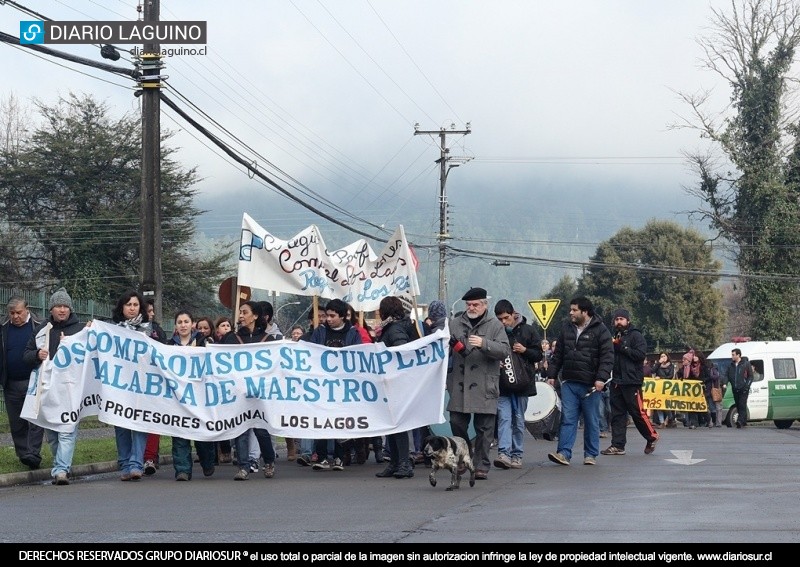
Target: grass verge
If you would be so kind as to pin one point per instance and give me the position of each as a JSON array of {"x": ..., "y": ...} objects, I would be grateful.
[{"x": 86, "y": 450}]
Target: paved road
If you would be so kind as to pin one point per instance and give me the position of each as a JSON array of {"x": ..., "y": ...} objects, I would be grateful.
[{"x": 741, "y": 487}]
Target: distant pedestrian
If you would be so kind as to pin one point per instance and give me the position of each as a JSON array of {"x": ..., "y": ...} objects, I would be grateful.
[{"x": 740, "y": 377}]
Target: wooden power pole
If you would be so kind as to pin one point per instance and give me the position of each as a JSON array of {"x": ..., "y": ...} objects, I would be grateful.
[
  {"x": 150, "y": 247},
  {"x": 444, "y": 168}
]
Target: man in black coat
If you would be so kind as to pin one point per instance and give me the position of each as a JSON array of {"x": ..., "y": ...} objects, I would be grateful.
[
  {"x": 583, "y": 359},
  {"x": 14, "y": 377},
  {"x": 511, "y": 406},
  {"x": 630, "y": 350}
]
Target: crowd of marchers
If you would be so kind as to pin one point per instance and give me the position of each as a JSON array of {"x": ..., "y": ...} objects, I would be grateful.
[{"x": 596, "y": 372}]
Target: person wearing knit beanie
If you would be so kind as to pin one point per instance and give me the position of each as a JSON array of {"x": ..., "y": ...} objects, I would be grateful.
[
  {"x": 621, "y": 313},
  {"x": 60, "y": 297},
  {"x": 437, "y": 310}
]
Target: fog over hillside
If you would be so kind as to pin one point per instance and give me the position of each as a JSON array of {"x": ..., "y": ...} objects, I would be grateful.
[{"x": 556, "y": 219}]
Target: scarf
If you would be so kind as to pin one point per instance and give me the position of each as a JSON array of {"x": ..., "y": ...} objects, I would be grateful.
[
  {"x": 383, "y": 324},
  {"x": 136, "y": 324}
]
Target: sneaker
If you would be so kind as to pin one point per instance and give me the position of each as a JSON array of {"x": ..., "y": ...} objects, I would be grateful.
[
  {"x": 269, "y": 470},
  {"x": 61, "y": 479},
  {"x": 387, "y": 472},
  {"x": 589, "y": 461},
  {"x": 149, "y": 468},
  {"x": 136, "y": 475},
  {"x": 254, "y": 466},
  {"x": 502, "y": 461},
  {"x": 481, "y": 475},
  {"x": 125, "y": 477},
  {"x": 209, "y": 471},
  {"x": 613, "y": 451},
  {"x": 182, "y": 477},
  {"x": 338, "y": 465},
  {"x": 651, "y": 446},
  {"x": 516, "y": 463},
  {"x": 559, "y": 459},
  {"x": 404, "y": 471},
  {"x": 322, "y": 466},
  {"x": 241, "y": 475},
  {"x": 304, "y": 460}
]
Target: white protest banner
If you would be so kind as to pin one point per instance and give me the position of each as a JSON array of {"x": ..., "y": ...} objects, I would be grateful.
[
  {"x": 303, "y": 265},
  {"x": 293, "y": 389}
]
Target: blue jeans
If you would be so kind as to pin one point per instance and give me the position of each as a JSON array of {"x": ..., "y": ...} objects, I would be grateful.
[
  {"x": 604, "y": 409},
  {"x": 130, "y": 449},
  {"x": 511, "y": 425},
  {"x": 575, "y": 403},
  {"x": 62, "y": 445},
  {"x": 182, "y": 455},
  {"x": 264, "y": 440},
  {"x": 306, "y": 447}
]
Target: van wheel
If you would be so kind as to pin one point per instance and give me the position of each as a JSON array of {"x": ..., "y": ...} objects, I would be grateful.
[
  {"x": 730, "y": 418},
  {"x": 783, "y": 423}
]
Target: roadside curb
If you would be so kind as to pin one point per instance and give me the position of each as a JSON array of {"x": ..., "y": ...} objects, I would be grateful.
[{"x": 43, "y": 475}]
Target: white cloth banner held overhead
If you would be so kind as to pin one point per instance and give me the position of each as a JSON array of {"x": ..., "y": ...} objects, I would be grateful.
[
  {"x": 293, "y": 389},
  {"x": 303, "y": 265}
]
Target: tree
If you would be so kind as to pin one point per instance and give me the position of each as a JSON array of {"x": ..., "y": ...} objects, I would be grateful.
[
  {"x": 665, "y": 275},
  {"x": 72, "y": 186},
  {"x": 752, "y": 197}
]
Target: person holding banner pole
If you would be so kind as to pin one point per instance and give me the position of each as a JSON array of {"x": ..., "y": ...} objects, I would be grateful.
[
  {"x": 131, "y": 312},
  {"x": 41, "y": 349},
  {"x": 394, "y": 331}
]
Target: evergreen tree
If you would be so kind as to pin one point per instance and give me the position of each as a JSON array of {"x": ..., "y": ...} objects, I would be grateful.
[
  {"x": 673, "y": 310},
  {"x": 72, "y": 186}
]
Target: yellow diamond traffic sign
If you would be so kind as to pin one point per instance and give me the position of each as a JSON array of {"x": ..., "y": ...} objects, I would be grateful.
[{"x": 544, "y": 309}]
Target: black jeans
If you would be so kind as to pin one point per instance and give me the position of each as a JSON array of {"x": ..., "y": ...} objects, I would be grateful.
[{"x": 740, "y": 399}]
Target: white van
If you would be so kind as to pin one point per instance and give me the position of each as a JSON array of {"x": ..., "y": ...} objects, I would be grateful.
[{"x": 775, "y": 392}]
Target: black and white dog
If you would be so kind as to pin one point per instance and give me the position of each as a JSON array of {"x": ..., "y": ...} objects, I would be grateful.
[{"x": 451, "y": 453}]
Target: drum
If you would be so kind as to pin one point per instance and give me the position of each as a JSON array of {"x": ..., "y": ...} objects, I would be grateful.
[
  {"x": 543, "y": 416},
  {"x": 543, "y": 404}
]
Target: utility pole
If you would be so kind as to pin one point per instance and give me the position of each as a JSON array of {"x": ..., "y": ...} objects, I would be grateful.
[
  {"x": 149, "y": 64},
  {"x": 444, "y": 168}
]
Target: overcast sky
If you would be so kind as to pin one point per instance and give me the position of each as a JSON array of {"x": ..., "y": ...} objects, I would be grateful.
[{"x": 561, "y": 97}]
